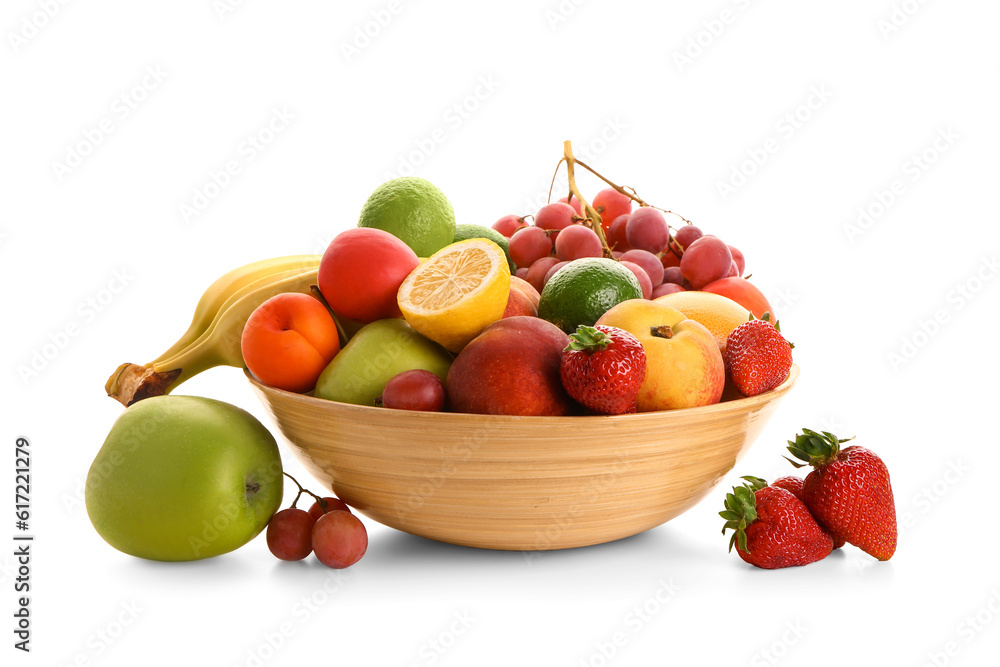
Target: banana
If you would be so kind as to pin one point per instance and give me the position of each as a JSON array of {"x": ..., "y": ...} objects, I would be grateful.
[
  {"x": 219, "y": 291},
  {"x": 218, "y": 344}
]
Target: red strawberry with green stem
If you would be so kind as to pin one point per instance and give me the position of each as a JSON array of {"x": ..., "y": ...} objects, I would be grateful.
[
  {"x": 602, "y": 368},
  {"x": 794, "y": 485},
  {"x": 848, "y": 491},
  {"x": 758, "y": 356},
  {"x": 772, "y": 528}
]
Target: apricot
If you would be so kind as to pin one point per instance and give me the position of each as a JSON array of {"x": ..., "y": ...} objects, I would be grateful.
[{"x": 288, "y": 341}]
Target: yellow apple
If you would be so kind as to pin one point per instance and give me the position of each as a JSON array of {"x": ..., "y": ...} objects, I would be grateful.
[{"x": 684, "y": 367}]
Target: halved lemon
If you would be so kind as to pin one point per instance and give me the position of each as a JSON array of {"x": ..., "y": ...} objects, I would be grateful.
[{"x": 459, "y": 291}]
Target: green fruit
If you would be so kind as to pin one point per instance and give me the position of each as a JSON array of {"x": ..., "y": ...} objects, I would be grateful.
[
  {"x": 378, "y": 352},
  {"x": 583, "y": 290},
  {"x": 466, "y": 232},
  {"x": 413, "y": 210},
  {"x": 183, "y": 478}
]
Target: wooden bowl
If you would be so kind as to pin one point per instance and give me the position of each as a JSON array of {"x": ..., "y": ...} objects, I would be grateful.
[{"x": 519, "y": 483}]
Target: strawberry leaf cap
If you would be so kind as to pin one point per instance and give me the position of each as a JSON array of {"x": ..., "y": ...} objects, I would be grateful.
[
  {"x": 816, "y": 449},
  {"x": 741, "y": 511},
  {"x": 588, "y": 339}
]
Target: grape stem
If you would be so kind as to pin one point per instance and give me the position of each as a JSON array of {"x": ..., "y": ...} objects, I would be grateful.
[
  {"x": 301, "y": 489},
  {"x": 592, "y": 218}
]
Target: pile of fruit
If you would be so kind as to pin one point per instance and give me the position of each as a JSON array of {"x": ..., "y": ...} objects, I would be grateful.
[
  {"x": 596, "y": 308},
  {"x": 409, "y": 310}
]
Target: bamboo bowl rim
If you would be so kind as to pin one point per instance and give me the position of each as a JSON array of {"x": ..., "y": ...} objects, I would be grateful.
[{"x": 743, "y": 403}]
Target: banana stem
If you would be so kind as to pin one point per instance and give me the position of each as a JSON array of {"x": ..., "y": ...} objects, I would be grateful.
[{"x": 132, "y": 382}]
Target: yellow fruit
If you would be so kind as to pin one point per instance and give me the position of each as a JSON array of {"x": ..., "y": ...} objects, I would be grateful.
[
  {"x": 457, "y": 292},
  {"x": 717, "y": 313}
]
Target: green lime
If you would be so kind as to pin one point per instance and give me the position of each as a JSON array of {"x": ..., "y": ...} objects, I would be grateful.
[
  {"x": 583, "y": 290},
  {"x": 413, "y": 210},
  {"x": 466, "y": 232}
]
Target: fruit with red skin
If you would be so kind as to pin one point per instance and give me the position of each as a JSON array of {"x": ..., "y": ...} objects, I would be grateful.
[
  {"x": 739, "y": 260},
  {"x": 511, "y": 368},
  {"x": 577, "y": 242},
  {"x": 672, "y": 274},
  {"x": 758, "y": 357},
  {"x": 415, "y": 389},
  {"x": 536, "y": 273},
  {"x": 616, "y": 234},
  {"x": 603, "y": 368},
  {"x": 772, "y": 528},
  {"x": 555, "y": 216},
  {"x": 687, "y": 235},
  {"x": 743, "y": 292},
  {"x": 339, "y": 539},
  {"x": 316, "y": 510},
  {"x": 289, "y": 534},
  {"x": 790, "y": 483},
  {"x": 519, "y": 283},
  {"x": 706, "y": 260},
  {"x": 647, "y": 229},
  {"x": 574, "y": 202},
  {"x": 848, "y": 491},
  {"x": 552, "y": 271},
  {"x": 361, "y": 271},
  {"x": 793, "y": 484},
  {"x": 610, "y": 204},
  {"x": 519, "y": 303},
  {"x": 528, "y": 245},
  {"x": 669, "y": 258},
  {"x": 521, "y": 272},
  {"x": 648, "y": 261},
  {"x": 509, "y": 224},
  {"x": 640, "y": 273},
  {"x": 664, "y": 289}
]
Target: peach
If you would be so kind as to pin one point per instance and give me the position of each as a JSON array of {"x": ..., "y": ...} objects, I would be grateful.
[
  {"x": 511, "y": 368},
  {"x": 288, "y": 341},
  {"x": 518, "y": 303},
  {"x": 684, "y": 367}
]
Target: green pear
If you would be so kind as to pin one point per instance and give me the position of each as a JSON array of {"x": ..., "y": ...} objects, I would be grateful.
[
  {"x": 376, "y": 353},
  {"x": 183, "y": 478}
]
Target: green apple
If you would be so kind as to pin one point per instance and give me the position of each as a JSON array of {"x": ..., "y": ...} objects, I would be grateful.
[
  {"x": 376, "y": 353},
  {"x": 183, "y": 478}
]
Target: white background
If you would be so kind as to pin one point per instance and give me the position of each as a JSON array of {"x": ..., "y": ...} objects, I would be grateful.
[{"x": 894, "y": 318}]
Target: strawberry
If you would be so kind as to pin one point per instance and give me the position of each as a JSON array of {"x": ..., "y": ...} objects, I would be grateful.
[
  {"x": 602, "y": 368},
  {"x": 758, "y": 356},
  {"x": 794, "y": 485},
  {"x": 772, "y": 528},
  {"x": 848, "y": 492}
]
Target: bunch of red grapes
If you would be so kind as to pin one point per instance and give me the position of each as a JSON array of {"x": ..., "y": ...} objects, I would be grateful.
[
  {"x": 663, "y": 259},
  {"x": 328, "y": 528}
]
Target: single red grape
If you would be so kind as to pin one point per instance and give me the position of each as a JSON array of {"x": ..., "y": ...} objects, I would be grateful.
[
  {"x": 556, "y": 215},
  {"x": 289, "y": 534},
  {"x": 640, "y": 273},
  {"x": 528, "y": 245},
  {"x": 415, "y": 389},
  {"x": 577, "y": 242},
  {"x": 316, "y": 510},
  {"x": 610, "y": 204},
  {"x": 647, "y": 229},
  {"x": 648, "y": 261},
  {"x": 509, "y": 224},
  {"x": 706, "y": 260},
  {"x": 339, "y": 539}
]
